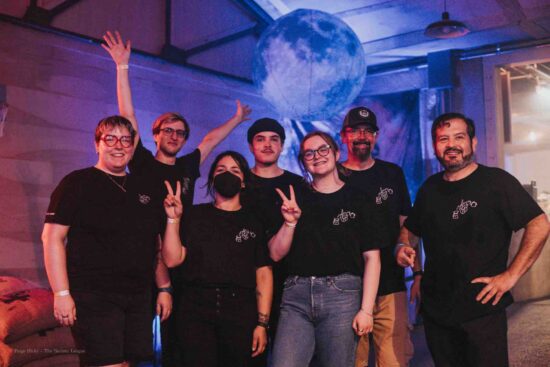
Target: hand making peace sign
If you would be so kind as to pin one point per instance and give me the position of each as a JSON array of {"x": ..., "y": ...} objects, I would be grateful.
[
  {"x": 172, "y": 202},
  {"x": 290, "y": 210}
]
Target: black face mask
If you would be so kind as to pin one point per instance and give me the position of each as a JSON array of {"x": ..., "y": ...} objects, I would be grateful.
[{"x": 227, "y": 184}]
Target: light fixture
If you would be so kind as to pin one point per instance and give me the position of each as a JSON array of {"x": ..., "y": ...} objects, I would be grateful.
[{"x": 446, "y": 28}]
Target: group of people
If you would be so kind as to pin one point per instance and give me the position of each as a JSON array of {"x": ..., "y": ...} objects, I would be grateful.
[{"x": 278, "y": 269}]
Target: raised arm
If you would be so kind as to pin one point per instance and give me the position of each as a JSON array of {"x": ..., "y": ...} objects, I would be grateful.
[
  {"x": 55, "y": 260},
  {"x": 532, "y": 243},
  {"x": 216, "y": 135},
  {"x": 279, "y": 245},
  {"x": 264, "y": 297},
  {"x": 120, "y": 53}
]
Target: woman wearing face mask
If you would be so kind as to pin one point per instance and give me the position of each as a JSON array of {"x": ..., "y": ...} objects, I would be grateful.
[
  {"x": 330, "y": 243},
  {"x": 226, "y": 298}
]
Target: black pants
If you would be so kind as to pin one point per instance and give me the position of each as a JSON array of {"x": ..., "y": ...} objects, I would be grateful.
[
  {"x": 216, "y": 325},
  {"x": 480, "y": 342}
]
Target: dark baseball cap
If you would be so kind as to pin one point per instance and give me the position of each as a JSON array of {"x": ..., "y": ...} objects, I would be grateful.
[
  {"x": 360, "y": 116},
  {"x": 265, "y": 124}
]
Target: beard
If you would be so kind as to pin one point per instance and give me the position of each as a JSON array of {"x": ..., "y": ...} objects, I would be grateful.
[
  {"x": 361, "y": 149},
  {"x": 456, "y": 164}
]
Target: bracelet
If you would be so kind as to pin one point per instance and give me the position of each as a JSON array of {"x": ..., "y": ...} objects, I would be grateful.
[
  {"x": 265, "y": 325},
  {"x": 169, "y": 289},
  {"x": 418, "y": 272},
  {"x": 122, "y": 67},
  {"x": 62, "y": 293},
  {"x": 365, "y": 311},
  {"x": 291, "y": 225},
  {"x": 172, "y": 220}
]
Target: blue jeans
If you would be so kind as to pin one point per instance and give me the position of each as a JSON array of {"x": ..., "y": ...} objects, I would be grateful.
[{"x": 316, "y": 317}]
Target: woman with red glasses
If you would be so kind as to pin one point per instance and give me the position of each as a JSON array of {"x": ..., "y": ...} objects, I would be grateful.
[{"x": 100, "y": 251}]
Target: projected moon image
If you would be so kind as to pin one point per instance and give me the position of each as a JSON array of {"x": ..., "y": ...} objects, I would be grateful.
[{"x": 309, "y": 65}]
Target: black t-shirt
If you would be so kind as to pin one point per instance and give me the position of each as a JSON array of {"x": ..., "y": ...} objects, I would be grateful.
[
  {"x": 111, "y": 243},
  {"x": 224, "y": 248},
  {"x": 260, "y": 196},
  {"x": 333, "y": 232},
  {"x": 385, "y": 183},
  {"x": 466, "y": 227},
  {"x": 186, "y": 170}
]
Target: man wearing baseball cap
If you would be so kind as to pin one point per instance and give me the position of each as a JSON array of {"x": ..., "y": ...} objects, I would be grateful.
[
  {"x": 385, "y": 183},
  {"x": 266, "y": 139}
]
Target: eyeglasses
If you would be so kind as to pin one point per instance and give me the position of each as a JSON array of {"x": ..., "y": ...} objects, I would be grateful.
[
  {"x": 323, "y": 151},
  {"x": 168, "y": 131},
  {"x": 111, "y": 140},
  {"x": 361, "y": 131}
]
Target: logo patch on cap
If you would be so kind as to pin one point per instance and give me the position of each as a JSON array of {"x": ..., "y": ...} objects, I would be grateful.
[{"x": 364, "y": 113}]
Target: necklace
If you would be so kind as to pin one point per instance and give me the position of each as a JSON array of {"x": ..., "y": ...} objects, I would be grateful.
[{"x": 116, "y": 183}]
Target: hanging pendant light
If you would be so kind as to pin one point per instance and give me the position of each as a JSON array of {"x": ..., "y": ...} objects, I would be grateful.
[{"x": 446, "y": 28}]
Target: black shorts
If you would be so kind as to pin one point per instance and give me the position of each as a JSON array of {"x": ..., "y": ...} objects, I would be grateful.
[{"x": 113, "y": 328}]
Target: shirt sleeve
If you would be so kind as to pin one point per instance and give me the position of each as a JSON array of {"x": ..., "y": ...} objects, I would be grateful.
[
  {"x": 140, "y": 158},
  {"x": 64, "y": 202},
  {"x": 518, "y": 207},
  {"x": 191, "y": 164}
]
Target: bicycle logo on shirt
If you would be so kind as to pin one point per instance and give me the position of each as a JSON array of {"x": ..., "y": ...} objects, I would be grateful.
[
  {"x": 383, "y": 195},
  {"x": 344, "y": 216},
  {"x": 244, "y": 235},
  {"x": 462, "y": 208}
]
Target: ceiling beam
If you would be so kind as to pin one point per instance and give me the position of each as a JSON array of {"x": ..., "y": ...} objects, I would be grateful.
[
  {"x": 399, "y": 41},
  {"x": 221, "y": 38},
  {"x": 261, "y": 16},
  {"x": 513, "y": 11},
  {"x": 43, "y": 16},
  {"x": 371, "y": 8},
  {"x": 63, "y": 7}
]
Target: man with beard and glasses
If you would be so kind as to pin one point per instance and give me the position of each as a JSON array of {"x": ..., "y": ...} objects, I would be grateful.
[
  {"x": 465, "y": 216},
  {"x": 385, "y": 185},
  {"x": 170, "y": 132},
  {"x": 266, "y": 138}
]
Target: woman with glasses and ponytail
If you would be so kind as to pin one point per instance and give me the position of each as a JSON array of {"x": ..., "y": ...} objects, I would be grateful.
[
  {"x": 330, "y": 242},
  {"x": 223, "y": 311}
]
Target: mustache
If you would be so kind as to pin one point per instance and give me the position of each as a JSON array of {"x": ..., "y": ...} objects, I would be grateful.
[
  {"x": 453, "y": 149},
  {"x": 267, "y": 151},
  {"x": 357, "y": 142}
]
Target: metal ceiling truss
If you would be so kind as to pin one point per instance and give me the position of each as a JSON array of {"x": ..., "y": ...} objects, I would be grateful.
[{"x": 44, "y": 16}]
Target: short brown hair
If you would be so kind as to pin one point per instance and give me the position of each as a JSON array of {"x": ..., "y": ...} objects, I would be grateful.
[
  {"x": 170, "y": 117},
  {"x": 110, "y": 123}
]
